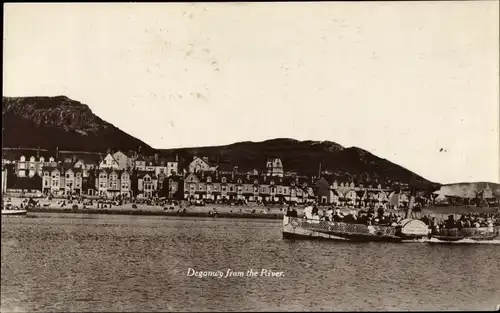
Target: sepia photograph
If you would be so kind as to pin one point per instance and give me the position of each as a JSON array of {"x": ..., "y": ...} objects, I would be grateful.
[{"x": 251, "y": 156}]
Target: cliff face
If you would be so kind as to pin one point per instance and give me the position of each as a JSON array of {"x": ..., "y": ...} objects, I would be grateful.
[{"x": 50, "y": 122}]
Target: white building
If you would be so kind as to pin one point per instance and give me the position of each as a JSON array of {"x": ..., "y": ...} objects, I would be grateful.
[
  {"x": 109, "y": 162},
  {"x": 122, "y": 160},
  {"x": 274, "y": 167}
]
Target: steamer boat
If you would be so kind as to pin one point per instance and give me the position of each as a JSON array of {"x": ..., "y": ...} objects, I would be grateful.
[{"x": 302, "y": 228}]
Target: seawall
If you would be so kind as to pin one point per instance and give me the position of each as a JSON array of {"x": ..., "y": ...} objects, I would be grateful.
[{"x": 156, "y": 213}]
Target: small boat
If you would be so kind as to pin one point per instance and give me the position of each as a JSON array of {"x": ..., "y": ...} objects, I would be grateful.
[
  {"x": 14, "y": 212},
  {"x": 301, "y": 228},
  {"x": 466, "y": 234}
]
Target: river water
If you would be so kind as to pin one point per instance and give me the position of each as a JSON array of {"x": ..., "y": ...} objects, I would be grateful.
[{"x": 72, "y": 262}]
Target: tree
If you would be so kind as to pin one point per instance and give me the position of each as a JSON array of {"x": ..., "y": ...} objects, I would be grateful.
[
  {"x": 134, "y": 183},
  {"x": 165, "y": 191},
  {"x": 179, "y": 194}
]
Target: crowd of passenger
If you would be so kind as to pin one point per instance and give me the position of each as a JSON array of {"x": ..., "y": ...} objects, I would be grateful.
[
  {"x": 379, "y": 216},
  {"x": 370, "y": 216},
  {"x": 470, "y": 220}
]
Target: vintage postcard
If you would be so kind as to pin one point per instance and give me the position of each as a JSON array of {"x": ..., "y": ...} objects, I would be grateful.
[{"x": 250, "y": 156}]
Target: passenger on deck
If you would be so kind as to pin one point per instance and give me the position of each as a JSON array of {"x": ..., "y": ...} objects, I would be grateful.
[
  {"x": 314, "y": 210},
  {"x": 349, "y": 218},
  {"x": 329, "y": 215},
  {"x": 380, "y": 211},
  {"x": 450, "y": 222},
  {"x": 308, "y": 212},
  {"x": 385, "y": 220},
  {"x": 338, "y": 217}
]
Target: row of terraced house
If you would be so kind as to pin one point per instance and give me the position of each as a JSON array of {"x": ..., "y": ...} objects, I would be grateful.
[
  {"x": 111, "y": 175},
  {"x": 131, "y": 175}
]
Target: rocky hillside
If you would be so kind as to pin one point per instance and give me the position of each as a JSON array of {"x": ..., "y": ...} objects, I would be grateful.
[
  {"x": 304, "y": 157},
  {"x": 48, "y": 122}
]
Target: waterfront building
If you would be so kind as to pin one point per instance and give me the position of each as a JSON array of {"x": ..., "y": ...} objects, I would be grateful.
[
  {"x": 213, "y": 186},
  {"x": 147, "y": 184},
  {"x": 27, "y": 167},
  {"x": 59, "y": 180},
  {"x": 113, "y": 183}
]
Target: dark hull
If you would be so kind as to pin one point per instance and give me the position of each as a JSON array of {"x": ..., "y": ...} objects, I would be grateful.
[
  {"x": 455, "y": 239},
  {"x": 342, "y": 237}
]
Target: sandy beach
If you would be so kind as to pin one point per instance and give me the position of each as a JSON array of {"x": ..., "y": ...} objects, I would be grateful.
[{"x": 240, "y": 211}]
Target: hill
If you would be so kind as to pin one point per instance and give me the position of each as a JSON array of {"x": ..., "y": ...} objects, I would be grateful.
[
  {"x": 304, "y": 157},
  {"x": 468, "y": 190},
  {"x": 50, "y": 122}
]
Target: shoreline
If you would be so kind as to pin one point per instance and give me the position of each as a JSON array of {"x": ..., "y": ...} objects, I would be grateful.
[{"x": 273, "y": 216}]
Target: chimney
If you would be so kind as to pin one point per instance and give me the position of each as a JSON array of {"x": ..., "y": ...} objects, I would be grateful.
[
  {"x": 156, "y": 157},
  {"x": 194, "y": 157},
  {"x": 74, "y": 158},
  {"x": 57, "y": 152},
  {"x": 232, "y": 176},
  {"x": 108, "y": 151},
  {"x": 38, "y": 152},
  {"x": 176, "y": 158}
]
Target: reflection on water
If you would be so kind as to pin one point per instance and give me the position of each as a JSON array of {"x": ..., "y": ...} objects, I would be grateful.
[{"x": 69, "y": 262}]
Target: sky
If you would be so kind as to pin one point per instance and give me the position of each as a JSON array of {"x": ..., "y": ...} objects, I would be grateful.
[{"x": 416, "y": 83}]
